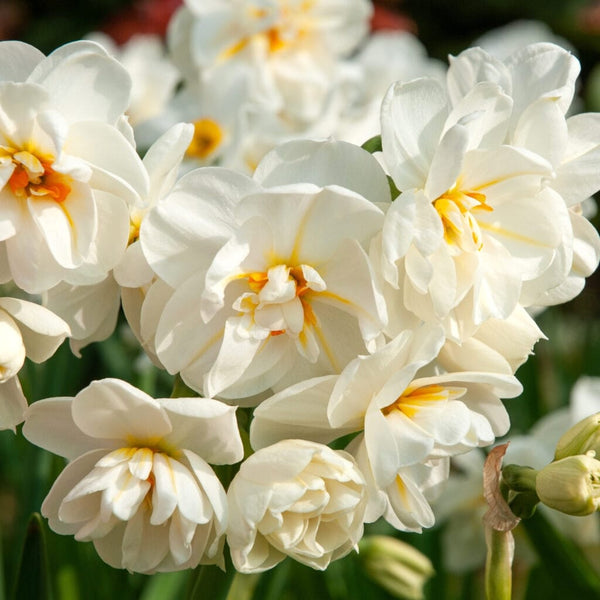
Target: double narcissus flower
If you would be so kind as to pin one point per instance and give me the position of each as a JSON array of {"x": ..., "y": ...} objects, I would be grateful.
[
  {"x": 295, "y": 498},
  {"x": 68, "y": 169},
  {"x": 271, "y": 278},
  {"x": 408, "y": 413},
  {"x": 489, "y": 169},
  {"x": 139, "y": 484}
]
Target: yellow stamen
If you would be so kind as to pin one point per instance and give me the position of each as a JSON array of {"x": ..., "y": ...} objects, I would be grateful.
[{"x": 208, "y": 135}]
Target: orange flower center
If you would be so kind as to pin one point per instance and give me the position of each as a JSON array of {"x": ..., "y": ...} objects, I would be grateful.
[{"x": 34, "y": 177}]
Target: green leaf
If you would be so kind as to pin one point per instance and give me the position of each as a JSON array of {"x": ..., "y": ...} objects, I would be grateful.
[
  {"x": 165, "y": 586},
  {"x": 564, "y": 562},
  {"x": 33, "y": 579},
  {"x": 373, "y": 144},
  {"x": 209, "y": 581}
]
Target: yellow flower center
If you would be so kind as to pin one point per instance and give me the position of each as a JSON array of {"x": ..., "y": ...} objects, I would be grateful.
[
  {"x": 456, "y": 208},
  {"x": 208, "y": 135},
  {"x": 34, "y": 177},
  {"x": 258, "y": 280},
  {"x": 291, "y": 25},
  {"x": 415, "y": 398}
]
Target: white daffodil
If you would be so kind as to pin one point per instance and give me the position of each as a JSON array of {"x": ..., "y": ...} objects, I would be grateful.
[
  {"x": 475, "y": 221},
  {"x": 405, "y": 502},
  {"x": 26, "y": 329},
  {"x": 271, "y": 281},
  {"x": 138, "y": 485},
  {"x": 540, "y": 79},
  {"x": 409, "y": 412},
  {"x": 292, "y": 47},
  {"x": 92, "y": 310},
  {"x": 295, "y": 498},
  {"x": 68, "y": 168}
]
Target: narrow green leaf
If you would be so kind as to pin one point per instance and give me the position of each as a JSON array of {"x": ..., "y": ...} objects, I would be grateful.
[
  {"x": 564, "y": 562},
  {"x": 209, "y": 581},
  {"x": 165, "y": 586},
  {"x": 33, "y": 579}
]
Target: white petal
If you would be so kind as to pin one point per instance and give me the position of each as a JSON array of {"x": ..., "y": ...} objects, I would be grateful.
[
  {"x": 42, "y": 330},
  {"x": 110, "y": 408},
  {"x": 49, "y": 424},
  {"x": 412, "y": 118},
  {"x": 205, "y": 427},
  {"x": 324, "y": 163}
]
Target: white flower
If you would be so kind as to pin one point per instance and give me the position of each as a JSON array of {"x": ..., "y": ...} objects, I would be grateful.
[
  {"x": 139, "y": 485},
  {"x": 67, "y": 165},
  {"x": 295, "y": 498},
  {"x": 26, "y": 329},
  {"x": 475, "y": 221},
  {"x": 291, "y": 47},
  {"x": 270, "y": 280},
  {"x": 540, "y": 79},
  {"x": 92, "y": 310},
  {"x": 409, "y": 412}
]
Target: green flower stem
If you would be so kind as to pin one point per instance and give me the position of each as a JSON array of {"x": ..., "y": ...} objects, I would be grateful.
[
  {"x": 181, "y": 390},
  {"x": 498, "y": 564},
  {"x": 519, "y": 479},
  {"x": 567, "y": 567},
  {"x": 209, "y": 581}
]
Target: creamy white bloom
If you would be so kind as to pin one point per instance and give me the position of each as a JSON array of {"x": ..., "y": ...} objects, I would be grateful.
[
  {"x": 540, "y": 79},
  {"x": 92, "y": 310},
  {"x": 291, "y": 46},
  {"x": 138, "y": 485},
  {"x": 68, "y": 168},
  {"x": 409, "y": 411},
  {"x": 26, "y": 329},
  {"x": 295, "y": 498},
  {"x": 475, "y": 221},
  {"x": 271, "y": 279}
]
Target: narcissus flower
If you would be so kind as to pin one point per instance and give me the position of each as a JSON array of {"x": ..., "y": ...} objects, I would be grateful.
[
  {"x": 271, "y": 281},
  {"x": 408, "y": 411},
  {"x": 68, "y": 168},
  {"x": 26, "y": 329},
  {"x": 138, "y": 485},
  {"x": 295, "y": 498}
]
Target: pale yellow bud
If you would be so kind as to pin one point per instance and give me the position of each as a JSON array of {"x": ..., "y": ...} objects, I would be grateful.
[
  {"x": 570, "y": 485},
  {"x": 582, "y": 438},
  {"x": 395, "y": 565}
]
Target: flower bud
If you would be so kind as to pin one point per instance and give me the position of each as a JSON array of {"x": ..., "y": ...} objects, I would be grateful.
[
  {"x": 570, "y": 485},
  {"x": 395, "y": 565},
  {"x": 582, "y": 438}
]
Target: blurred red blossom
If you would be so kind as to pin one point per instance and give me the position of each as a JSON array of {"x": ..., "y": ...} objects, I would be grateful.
[{"x": 144, "y": 16}]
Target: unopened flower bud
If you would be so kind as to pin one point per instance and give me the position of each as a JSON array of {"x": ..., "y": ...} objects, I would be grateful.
[
  {"x": 395, "y": 565},
  {"x": 582, "y": 438},
  {"x": 570, "y": 485}
]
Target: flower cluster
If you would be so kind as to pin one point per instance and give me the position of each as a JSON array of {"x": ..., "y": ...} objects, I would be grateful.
[{"x": 327, "y": 292}]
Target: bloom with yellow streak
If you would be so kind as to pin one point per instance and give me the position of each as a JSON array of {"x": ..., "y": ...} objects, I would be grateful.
[{"x": 139, "y": 484}]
